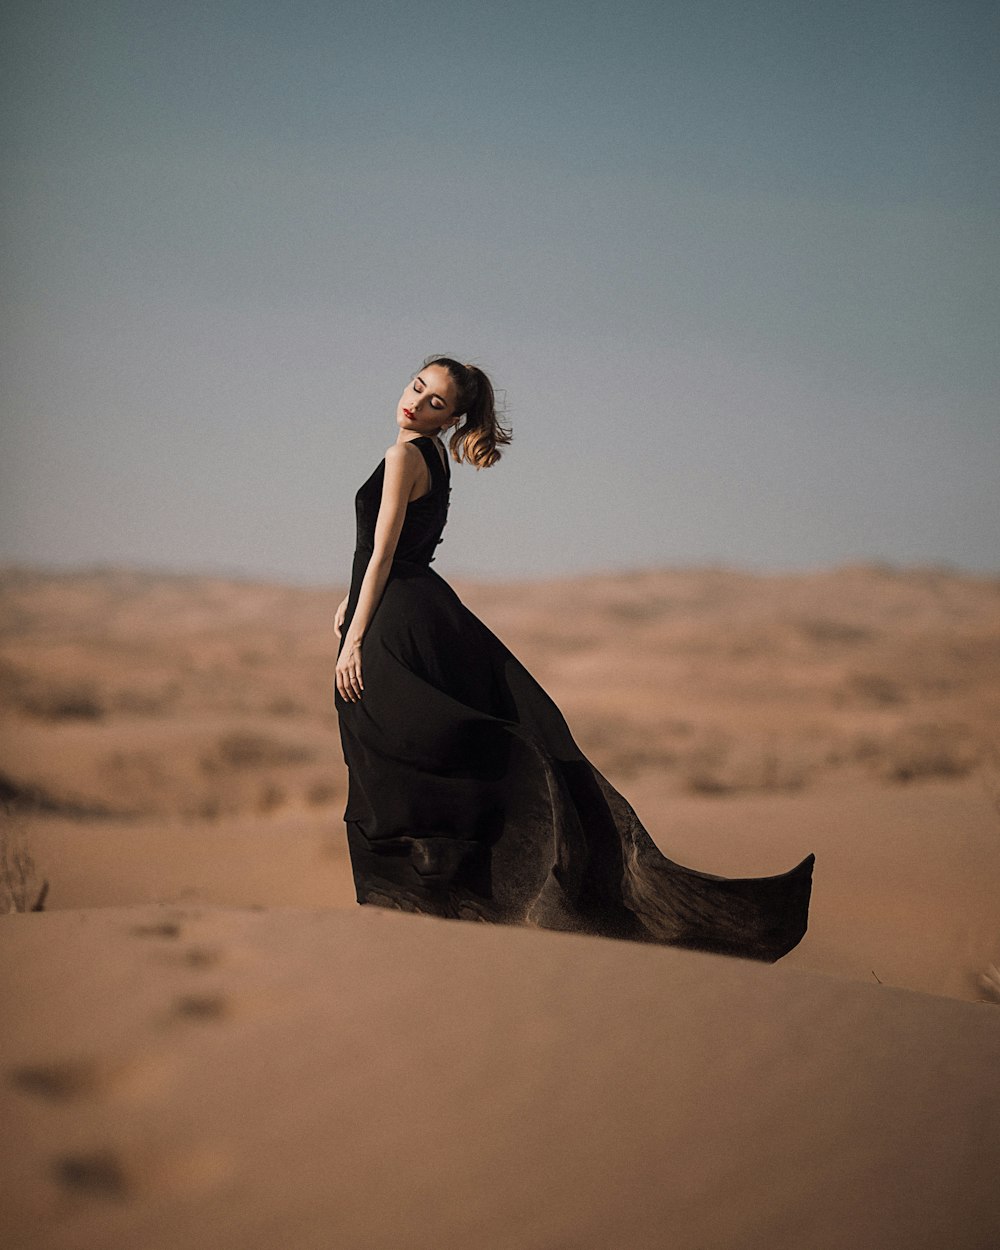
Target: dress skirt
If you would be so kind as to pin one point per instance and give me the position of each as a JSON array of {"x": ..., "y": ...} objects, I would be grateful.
[{"x": 469, "y": 798}]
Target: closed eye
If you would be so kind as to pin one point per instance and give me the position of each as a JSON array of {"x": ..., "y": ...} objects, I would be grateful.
[{"x": 418, "y": 386}]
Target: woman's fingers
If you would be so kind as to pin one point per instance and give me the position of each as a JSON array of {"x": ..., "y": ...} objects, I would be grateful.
[
  {"x": 349, "y": 682},
  {"x": 348, "y": 679}
]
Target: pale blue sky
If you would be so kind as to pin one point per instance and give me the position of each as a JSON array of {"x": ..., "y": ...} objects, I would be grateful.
[{"x": 735, "y": 264}]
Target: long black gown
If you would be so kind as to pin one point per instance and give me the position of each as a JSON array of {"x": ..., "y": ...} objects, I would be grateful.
[{"x": 467, "y": 796}]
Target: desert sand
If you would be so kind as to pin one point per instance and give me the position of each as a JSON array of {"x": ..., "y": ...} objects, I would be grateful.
[{"x": 206, "y": 1041}]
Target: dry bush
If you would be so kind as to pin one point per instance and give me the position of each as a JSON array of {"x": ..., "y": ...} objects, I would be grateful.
[
  {"x": 271, "y": 797},
  {"x": 828, "y": 631},
  {"x": 321, "y": 794},
  {"x": 989, "y": 983},
  {"x": 917, "y": 752},
  {"x": 717, "y": 766},
  {"x": 48, "y": 698},
  {"x": 240, "y": 749},
  {"x": 29, "y": 798},
  {"x": 639, "y": 611},
  {"x": 208, "y": 809},
  {"x": 284, "y": 705},
  {"x": 56, "y": 701},
  {"x": 876, "y": 688},
  {"x": 19, "y": 887}
]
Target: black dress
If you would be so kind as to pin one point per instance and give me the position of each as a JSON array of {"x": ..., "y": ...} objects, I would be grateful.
[{"x": 467, "y": 796}]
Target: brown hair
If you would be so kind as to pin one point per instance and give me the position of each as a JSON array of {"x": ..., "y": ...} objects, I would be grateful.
[{"x": 479, "y": 437}]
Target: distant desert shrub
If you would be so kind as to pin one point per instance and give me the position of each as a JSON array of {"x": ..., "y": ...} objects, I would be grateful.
[
  {"x": 321, "y": 793},
  {"x": 241, "y": 749},
  {"x": 30, "y": 798},
  {"x": 271, "y": 797},
  {"x": 48, "y": 698},
  {"x": 208, "y": 809},
  {"x": 866, "y": 748},
  {"x": 914, "y": 752},
  {"x": 284, "y": 705},
  {"x": 77, "y": 701},
  {"x": 828, "y": 630},
  {"x": 638, "y": 610},
  {"x": 876, "y": 688},
  {"x": 922, "y": 751},
  {"x": 717, "y": 766}
]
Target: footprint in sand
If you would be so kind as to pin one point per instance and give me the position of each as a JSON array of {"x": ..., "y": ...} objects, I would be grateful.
[
  {"x": 159, "y": 929},
  {"x": 201, "y": 957},
  {"x": 200, "y": 1007},
  {"x": 170, "y": 927},
  {"x": 98, "y": 1174}
]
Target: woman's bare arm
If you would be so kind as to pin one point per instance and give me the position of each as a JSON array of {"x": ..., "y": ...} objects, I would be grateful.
[{"x": 403, "y": 470}]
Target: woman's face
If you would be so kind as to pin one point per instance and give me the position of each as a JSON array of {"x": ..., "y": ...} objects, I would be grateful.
[{"x": 428, "y": 402}]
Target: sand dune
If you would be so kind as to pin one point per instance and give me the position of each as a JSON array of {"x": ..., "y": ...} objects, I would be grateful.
[
  {"x": 205, "y": 1040},
  {"x": 180, "y": 1077}
]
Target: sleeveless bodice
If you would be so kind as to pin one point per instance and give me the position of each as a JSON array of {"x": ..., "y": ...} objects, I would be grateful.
[{"x": 425, "y": 517}]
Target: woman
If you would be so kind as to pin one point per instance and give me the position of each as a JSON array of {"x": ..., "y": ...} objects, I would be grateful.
[{"x": 467, "y": 796}]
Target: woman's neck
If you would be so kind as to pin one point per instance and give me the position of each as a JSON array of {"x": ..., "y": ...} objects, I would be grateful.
[{"x": 435, "y": 434}]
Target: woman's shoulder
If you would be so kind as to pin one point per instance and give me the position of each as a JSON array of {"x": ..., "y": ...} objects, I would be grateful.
[
  {"x": 403, "y": 453},
  {"x": 404, "y": 462}
]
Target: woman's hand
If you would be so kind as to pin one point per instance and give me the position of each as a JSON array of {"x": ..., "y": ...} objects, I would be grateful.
[
  {"x": 338, "y": 620},
  {"x": 349, "y": 683}
]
